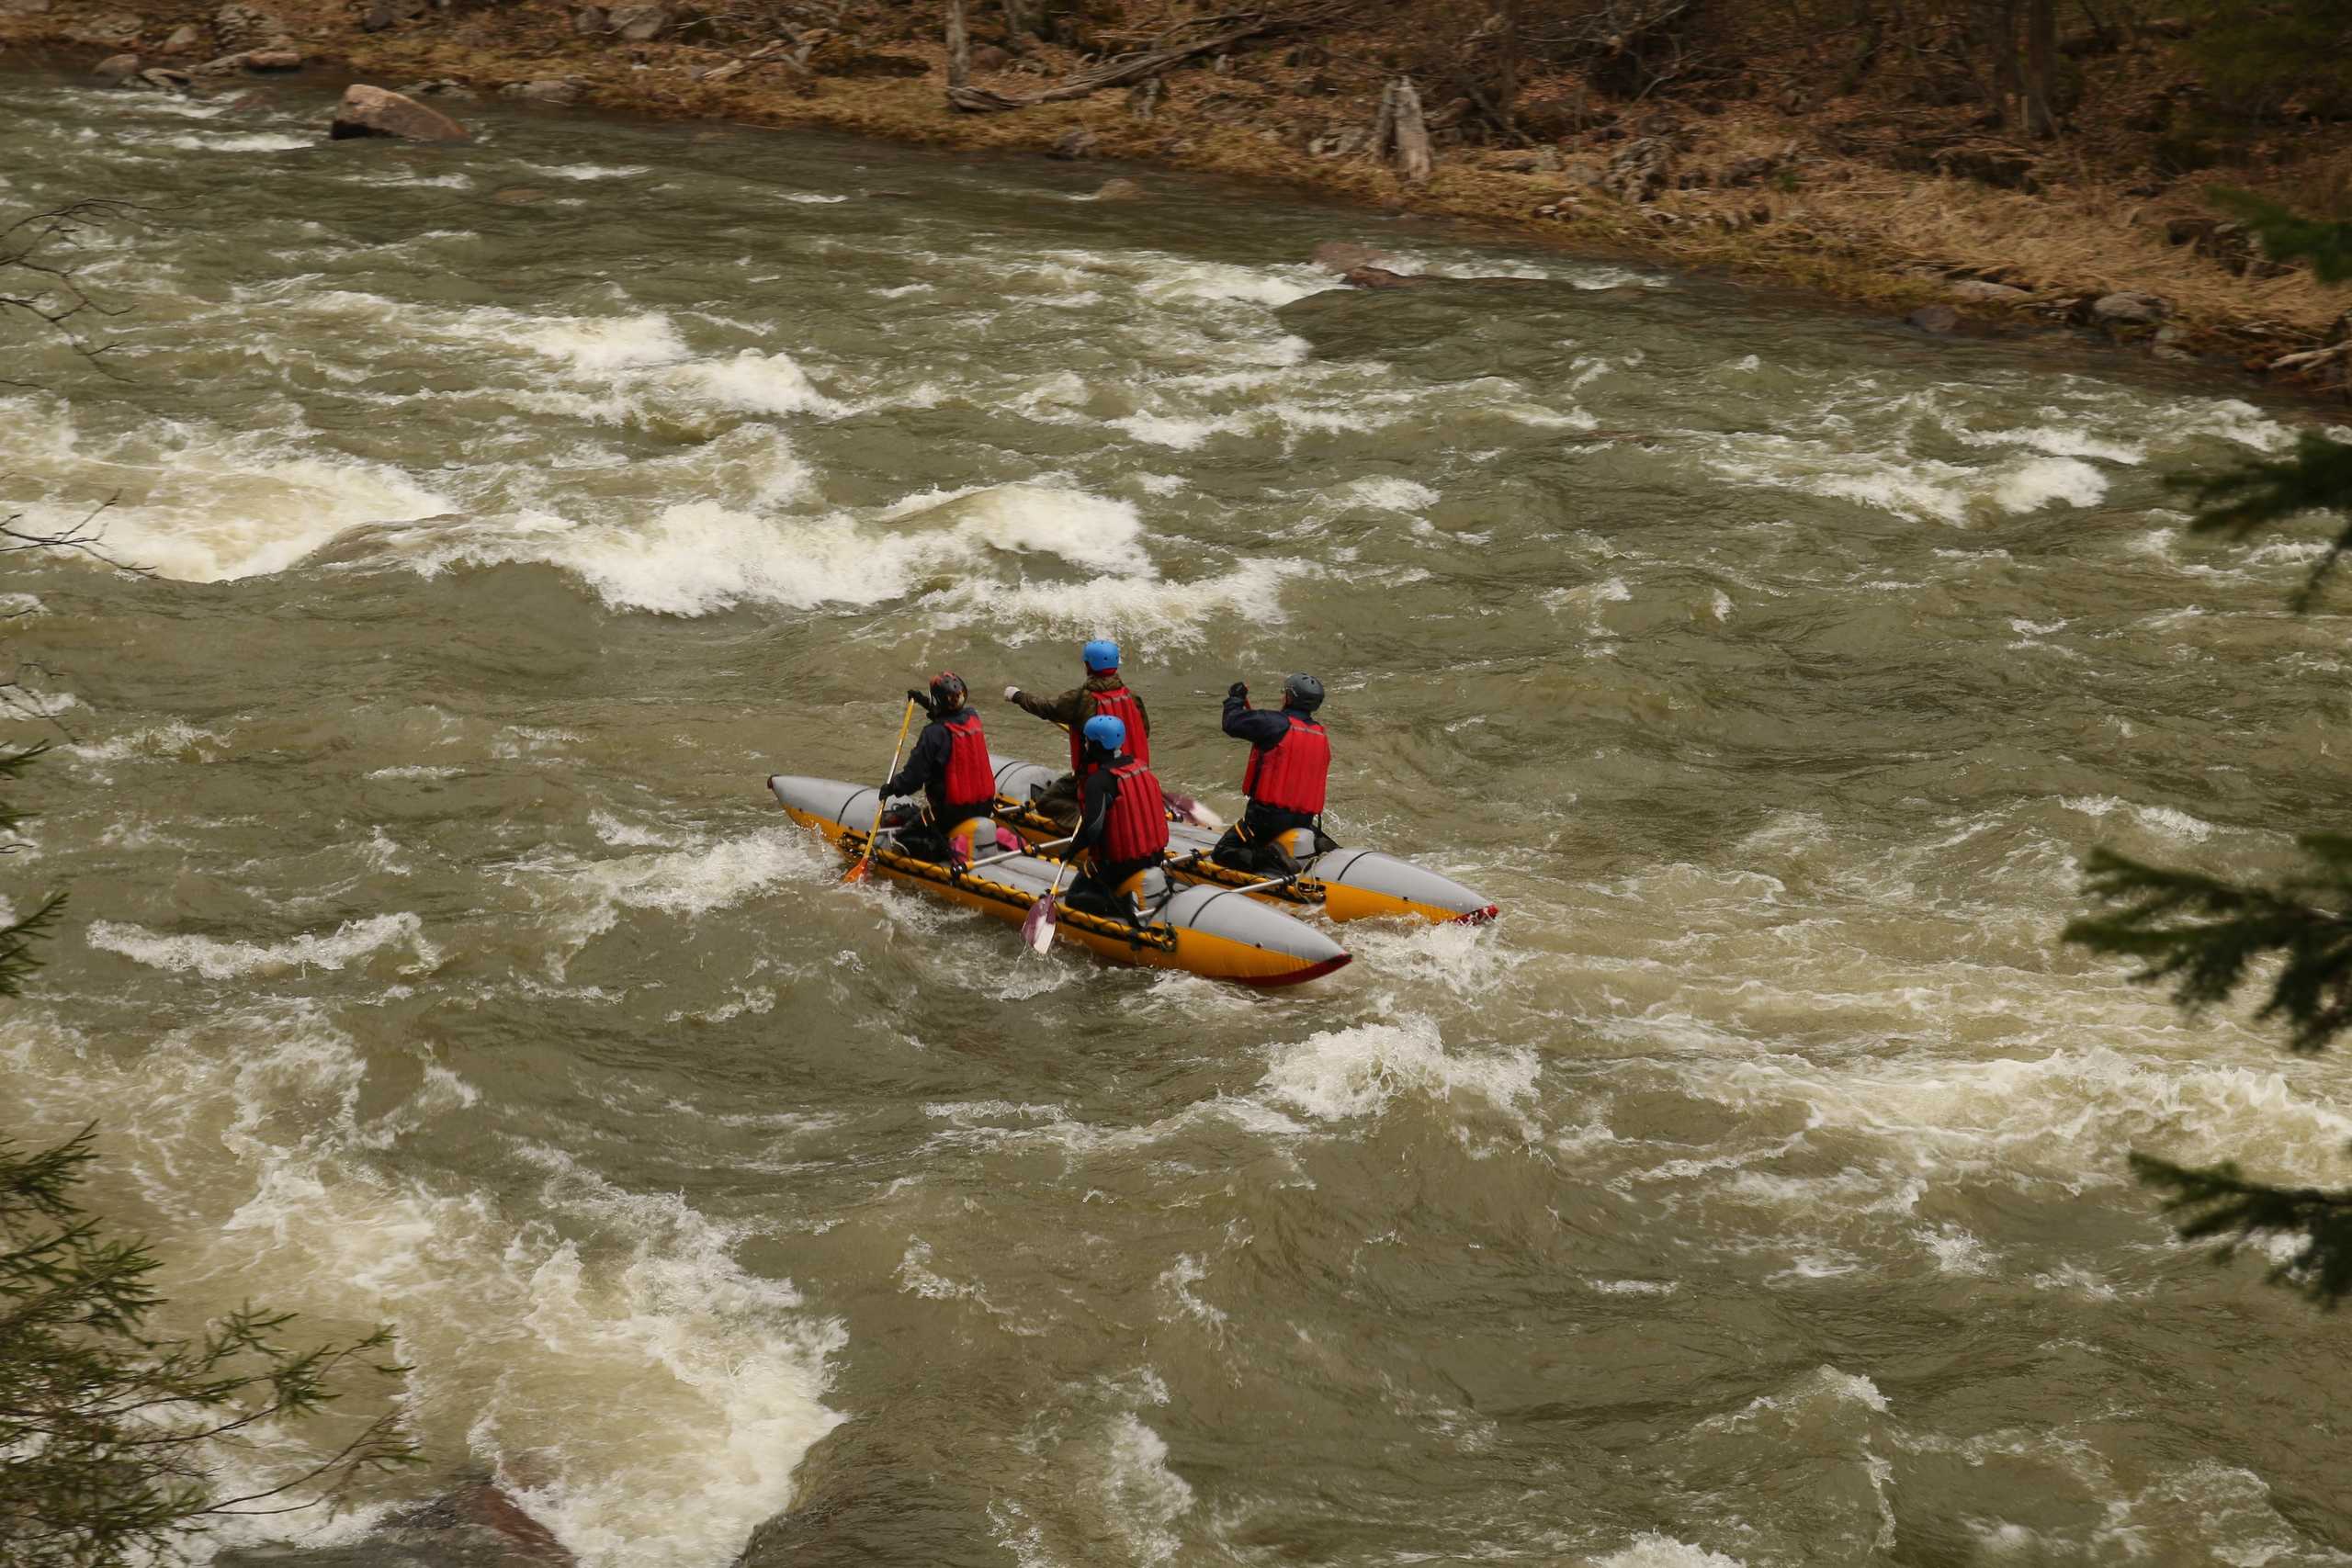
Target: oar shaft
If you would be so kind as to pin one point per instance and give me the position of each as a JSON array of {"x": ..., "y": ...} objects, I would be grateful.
[
  {"x": 1016, "y": 854},
  {"x": 874, "y": 828}
]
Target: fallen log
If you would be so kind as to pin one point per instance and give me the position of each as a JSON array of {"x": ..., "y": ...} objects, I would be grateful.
[{"x": 1128, "y": 68}]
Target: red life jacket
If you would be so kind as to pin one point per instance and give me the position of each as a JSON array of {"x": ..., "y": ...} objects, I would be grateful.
[
  {"x": 1290, "y": 776},
  {"x": 1135, "y": 827},
  {"x": 969, "y": 778},
  {"x": 1121, "y": 704}
]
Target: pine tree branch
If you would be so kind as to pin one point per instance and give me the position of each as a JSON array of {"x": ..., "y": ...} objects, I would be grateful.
[
  {"x": 2260, "y": 492},
  {"x": 2289, "y": 237},
  {"x": 2202, "y": 935},
  {"x": 2217, "y": 1201}
]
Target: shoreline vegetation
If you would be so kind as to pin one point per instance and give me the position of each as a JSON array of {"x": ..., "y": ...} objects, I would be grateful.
[{"x": 1964, "y": 174}]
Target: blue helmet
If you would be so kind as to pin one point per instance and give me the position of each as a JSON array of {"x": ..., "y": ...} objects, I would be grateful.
[
  {"x": 1100, "y": 654},
  {"x": 1106, "y": 731}
]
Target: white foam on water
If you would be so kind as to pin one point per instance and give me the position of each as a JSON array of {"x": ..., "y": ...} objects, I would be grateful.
[
  {"x": 218, "y": 960},
  {"x": 247, "y": 141},
  {"x": 601, "y": 344},
  {"x": 2168, "y": 820},
  {"x": 1182, "y": 280},
  {"x": 594, "y": 170},
  {"x": 1387, "y": 493},
  {"x": 2037, "y": 483},
  {"x": 1178, "y": 1279},
  {"x": 762, "y": 383},
  {"x": 1137, "y": 606},
  {"x": 589, "y": 897},
  {"x": 195, "y": 504},
  {"x": 380, "y": 177},
  {"x": 817, "y": 199},
  {"x": 1143, "y": 1497},
  {"x": 631, "y": 1384},
  {"x": 1343, "y": 1074},
  {"x": 1956, "y": 1251},
  {"x": 174, "y": 739},
  {"x": 2057, "y": 440},
  {"x": 1654, "y": 1550},
  {"x": 699, "y": 556},
  {"x": 2068, "y": 1115}
]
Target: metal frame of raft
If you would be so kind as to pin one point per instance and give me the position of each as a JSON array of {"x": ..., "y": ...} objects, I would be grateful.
[
  {"x": 1201, "y": 931},
  {"x": 1346, "y": 884}
]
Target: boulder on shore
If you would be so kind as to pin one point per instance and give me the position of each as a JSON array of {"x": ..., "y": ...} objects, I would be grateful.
[
  {"x": 548, "y": 91},
  {"x": 1978, "y": 291},
  {"x": 637, "y": 24},
  {"x": 2129, "y": 309},
  {"x": 381, "y": 15},
  {"x": 241, "y": 27},
  {"x": 1937, "y": 319},
  {"x": 274, "y": 59},
  {"x": 185, "y": 40},
  {"x": 373, "y": 111},
  {"x": 116, "y": 68},
  {"x": 1075, "y": 144}
]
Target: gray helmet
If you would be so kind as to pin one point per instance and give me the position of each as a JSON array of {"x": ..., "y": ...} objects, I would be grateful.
[{"x": 1303, "y": 692}]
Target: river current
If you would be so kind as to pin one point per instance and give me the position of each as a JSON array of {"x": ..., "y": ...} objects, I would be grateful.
[{"x": 1752, "y": 1193}]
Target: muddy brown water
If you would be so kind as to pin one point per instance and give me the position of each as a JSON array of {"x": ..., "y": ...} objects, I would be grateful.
[{"x": 1752, "y": 1193}]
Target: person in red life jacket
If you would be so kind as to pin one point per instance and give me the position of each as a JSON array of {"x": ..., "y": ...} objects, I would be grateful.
[
  {"x": 1289, "y": 767},
  {"x": 1106, "y": 692},
  {"x": 950, "y": 767},
  {"x": 1123, "y": 821}
]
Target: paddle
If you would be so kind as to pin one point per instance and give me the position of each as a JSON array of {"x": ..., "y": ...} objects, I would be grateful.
[
  {"x": 1016, "y": 854},
  {"x": 1038, "y": 930},
  {"x": 1185, "y": 810},
  {"x": 857, "y": 873}
]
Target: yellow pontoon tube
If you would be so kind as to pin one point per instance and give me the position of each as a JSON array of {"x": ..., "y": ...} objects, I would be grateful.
[
  {"x": 1205, "y": 929},
  {"x": 1346, "y": 884}
]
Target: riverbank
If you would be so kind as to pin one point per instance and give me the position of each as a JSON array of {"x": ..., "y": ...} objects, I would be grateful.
[{"x": 1812, "y": 194}]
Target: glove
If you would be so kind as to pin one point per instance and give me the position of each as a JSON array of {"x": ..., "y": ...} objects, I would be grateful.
[
  {"x": 1239, "y": 689},
  {"x": 920, "y": 699},
  {"x": 1011, "y": 692}
]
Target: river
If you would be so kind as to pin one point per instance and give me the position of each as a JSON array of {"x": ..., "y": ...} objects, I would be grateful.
[{"x": 1752, "y": 1193}]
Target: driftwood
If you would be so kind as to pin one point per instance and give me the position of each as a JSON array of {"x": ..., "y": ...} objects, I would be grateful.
[{"x": 1126, "y": 68}]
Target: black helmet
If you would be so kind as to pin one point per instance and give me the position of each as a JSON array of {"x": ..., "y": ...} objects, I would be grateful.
[
  {"x": 1303, "y": 692},
  {"x": 947, "y": 692}
]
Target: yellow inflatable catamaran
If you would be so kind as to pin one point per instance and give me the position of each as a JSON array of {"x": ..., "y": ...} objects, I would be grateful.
[
  {"x": 1209, "y": 930},
  {"x": 1344, "y": 883}
]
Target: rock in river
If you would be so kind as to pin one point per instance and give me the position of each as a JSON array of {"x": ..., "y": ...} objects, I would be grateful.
[{"x": 372, "y": 111}]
